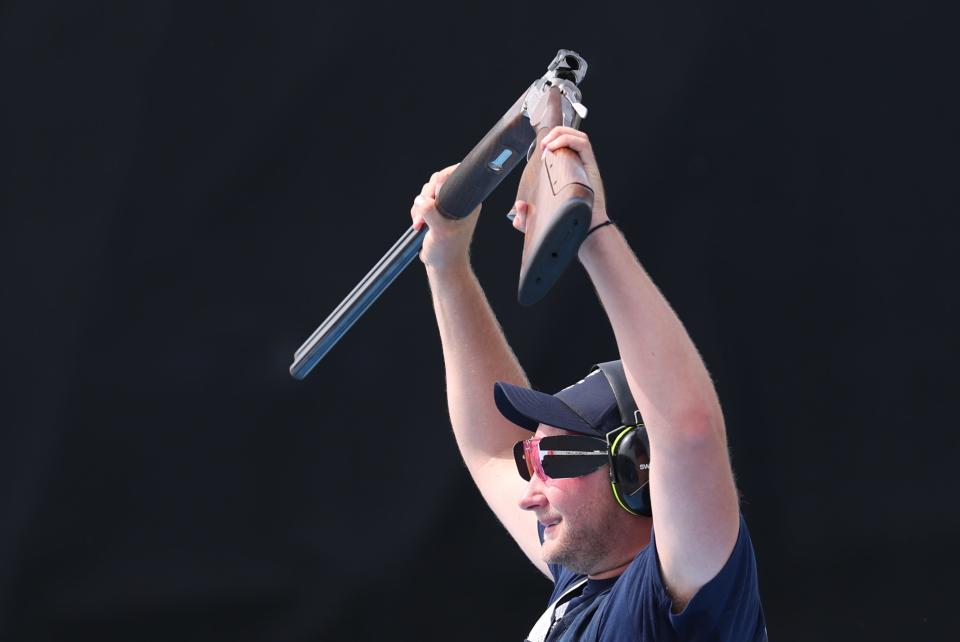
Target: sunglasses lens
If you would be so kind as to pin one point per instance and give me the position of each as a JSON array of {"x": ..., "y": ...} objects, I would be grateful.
[
  {"x": 559, "y": 462},
  {"x": 561, "y": 467},
  {"x": 521, "y": 459}
]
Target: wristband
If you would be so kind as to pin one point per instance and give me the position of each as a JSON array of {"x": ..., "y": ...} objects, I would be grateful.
[{"x": 597, "y": 227}]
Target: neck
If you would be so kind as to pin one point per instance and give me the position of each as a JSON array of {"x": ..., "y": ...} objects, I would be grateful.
[
  {"x": 613, "y": 572},
  {"x": 640, "y": 540}
]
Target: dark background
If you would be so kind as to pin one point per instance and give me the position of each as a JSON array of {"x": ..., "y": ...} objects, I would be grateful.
[{"x": 188, "y": 189}]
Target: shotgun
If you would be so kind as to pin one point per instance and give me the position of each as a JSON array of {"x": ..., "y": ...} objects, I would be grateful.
[{"x": 556, "y": 187}]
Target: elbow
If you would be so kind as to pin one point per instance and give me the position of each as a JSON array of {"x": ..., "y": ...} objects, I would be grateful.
[{"x": 698, "y": 424}]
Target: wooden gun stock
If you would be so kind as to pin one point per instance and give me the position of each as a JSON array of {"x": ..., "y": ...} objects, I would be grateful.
[{"x": 561, "y": 205}]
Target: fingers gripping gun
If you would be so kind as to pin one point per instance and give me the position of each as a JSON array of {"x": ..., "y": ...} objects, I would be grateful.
[{"x": 556, "y": 187}]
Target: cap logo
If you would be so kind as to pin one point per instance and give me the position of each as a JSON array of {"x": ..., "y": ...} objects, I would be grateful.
[{"x": 592, "y": 373}]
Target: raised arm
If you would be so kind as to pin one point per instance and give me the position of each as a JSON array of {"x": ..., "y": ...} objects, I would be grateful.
[
  {"x": 695, "y": 507},
  {"x": 475, "y": 354}
]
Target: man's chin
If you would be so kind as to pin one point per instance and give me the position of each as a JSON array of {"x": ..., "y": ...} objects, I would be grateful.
[
  {"x": 553, "y": 551},
  {"x": 559, "y": 550}
]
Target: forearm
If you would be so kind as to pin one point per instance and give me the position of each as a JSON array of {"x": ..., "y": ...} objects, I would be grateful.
[
  {"x": 476, "y": 354},
  {"x": 670, "y": 382}
]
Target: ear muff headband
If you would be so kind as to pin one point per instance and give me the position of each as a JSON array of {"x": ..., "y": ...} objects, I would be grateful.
[
  {"x": 617, "y": 378},
  {"x": 624, "y": 451}
]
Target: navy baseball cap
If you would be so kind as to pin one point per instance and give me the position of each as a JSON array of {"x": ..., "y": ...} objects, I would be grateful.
[{"x": 588, "y": 407}]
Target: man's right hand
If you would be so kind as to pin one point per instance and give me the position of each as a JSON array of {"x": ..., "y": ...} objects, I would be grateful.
[{"x": 447, "y": 244}]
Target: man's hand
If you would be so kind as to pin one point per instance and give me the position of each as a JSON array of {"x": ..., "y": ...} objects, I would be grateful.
[
  {"x": 448, "y": 242},
  {"x": 579, "y": 142}
]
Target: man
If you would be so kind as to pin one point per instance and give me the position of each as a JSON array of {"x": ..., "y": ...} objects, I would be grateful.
[{"x": 687, "y": 572}]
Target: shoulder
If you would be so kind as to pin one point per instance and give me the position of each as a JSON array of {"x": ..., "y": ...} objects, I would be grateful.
[
  {"x": 726, "y": 608},
  {"x": 729, "y": 603}
]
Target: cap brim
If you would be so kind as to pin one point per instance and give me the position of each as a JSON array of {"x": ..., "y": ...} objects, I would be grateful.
[{"x": 529, "y": 408}]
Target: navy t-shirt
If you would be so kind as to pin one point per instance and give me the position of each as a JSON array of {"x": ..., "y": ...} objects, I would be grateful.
[{"x": 635, "y": 606}]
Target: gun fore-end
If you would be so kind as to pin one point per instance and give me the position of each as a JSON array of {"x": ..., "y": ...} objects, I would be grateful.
[{"x": 487, "y": 164}]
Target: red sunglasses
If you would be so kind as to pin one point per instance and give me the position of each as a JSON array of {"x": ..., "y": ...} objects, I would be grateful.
[{"x": 560, "y": 457}]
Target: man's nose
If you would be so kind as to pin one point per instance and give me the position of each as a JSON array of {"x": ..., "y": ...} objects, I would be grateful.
[{"x": 533, "y": 496}]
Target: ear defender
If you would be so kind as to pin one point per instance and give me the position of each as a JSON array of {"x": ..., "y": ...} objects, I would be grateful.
[
  {"x": 629, "y": 470},
  {"x": 629, "y": 447}
]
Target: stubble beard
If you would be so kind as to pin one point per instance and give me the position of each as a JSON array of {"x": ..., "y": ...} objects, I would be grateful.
[{"x": 584, "y": 543}]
